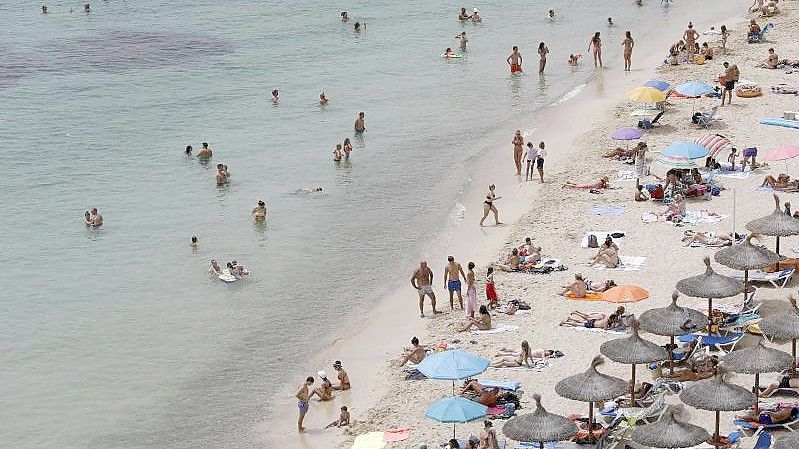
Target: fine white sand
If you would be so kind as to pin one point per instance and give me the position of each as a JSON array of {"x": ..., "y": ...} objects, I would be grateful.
[{"x": 577, "y": 134}]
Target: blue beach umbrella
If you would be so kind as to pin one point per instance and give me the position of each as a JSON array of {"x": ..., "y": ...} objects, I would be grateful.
[
  {"x": 694, "y": 89},
  {"x": 660, "y": 85},
  {"x": 455, "y": 410},
  {"x": 452, "y": 365},
  {"x": 684, "y": 149}
]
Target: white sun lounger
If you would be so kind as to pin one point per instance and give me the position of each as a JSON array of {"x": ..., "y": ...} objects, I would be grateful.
[{"x": 778, "y": 279}]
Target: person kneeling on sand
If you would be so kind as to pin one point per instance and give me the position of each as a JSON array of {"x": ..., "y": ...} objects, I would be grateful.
[
  {"x": 343, "y": 419},
  {"x": 508, "y": 358},
  {"x": 343, "y": 377},
  {"x": 483, "y": 322},
  {"x": 415, "y": 354},
  {"x": 594, "y": 320},
  {"x": 576, "y": 289}
]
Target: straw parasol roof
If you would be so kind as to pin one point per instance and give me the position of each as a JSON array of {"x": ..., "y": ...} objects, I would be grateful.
[
  {"x": 775, "y": 224},
  {"x": 539, "y": 426},
  {"x": 672, "y": 320},
  {"x": 784, "y": 325},
  {"x": 787, "y": 442},
  {"x": 633, "y": 349},
  {"x": 717, "y": 395},
  {"x": 669, "y": 432},
  {"x": 757, "y": 359},
  {"x": 591, "y": 385},
  {"x": 746, "y": 256},
  {"x": 710, "y": 284}
]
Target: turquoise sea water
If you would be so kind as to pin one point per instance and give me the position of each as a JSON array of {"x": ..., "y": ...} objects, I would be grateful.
[{"x": 118, "y": 338}]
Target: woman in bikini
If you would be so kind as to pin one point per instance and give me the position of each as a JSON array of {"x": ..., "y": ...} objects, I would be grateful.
[
  {"x": 595, "y": 44},
  {"x": 594, "y": 320},
  {"x": 628, "y": 43},
  {"x": 707, "y": 238},
  {"x": 347, "y": 148},
  {"x": 603, "y": 183},
  {"x": 482, "y": 323},
  {"x": 542, "y": 52},
  {"x": 508, "y": 358},
  {"x": 488, "y": 205}
]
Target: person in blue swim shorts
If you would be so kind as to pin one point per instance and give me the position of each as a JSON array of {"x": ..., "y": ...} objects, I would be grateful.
[{"x": 452, "y": 281}]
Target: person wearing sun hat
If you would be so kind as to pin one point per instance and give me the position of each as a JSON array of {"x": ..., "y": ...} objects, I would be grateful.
[{"x": 325, "y": 390}]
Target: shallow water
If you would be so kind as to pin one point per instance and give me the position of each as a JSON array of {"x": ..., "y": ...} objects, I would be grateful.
[{"x": 117, "y": 337}]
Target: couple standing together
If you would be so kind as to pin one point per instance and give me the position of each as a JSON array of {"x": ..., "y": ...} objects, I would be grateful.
[{"x": 422, "y": 281}]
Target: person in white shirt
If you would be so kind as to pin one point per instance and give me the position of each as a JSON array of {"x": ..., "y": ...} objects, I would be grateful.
[
  {"x": 542, "y": 154},
  {"x": 530, "y": 156}
]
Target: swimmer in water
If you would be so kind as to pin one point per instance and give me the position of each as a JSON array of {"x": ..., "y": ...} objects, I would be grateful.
[
  {"x": 259, "y": 211},
  {"x": 194, "y": 242},
  {"x": 574, "y": 59},
  {"x": 44, "y": 9},
  {"x": 347, "y": 146},
  {"x": 337, "y": 153},
  {"x": 462, "y": 39},
  {"x": 358, "y": 26},
  {"x": 275, "y": 95},
  {"x": 206, "y": 152},
  {"x": 344, "y": 16},
  {"x": 87, "y": 8},
  {"x": 476, "y": 15},
  {"x": 551, "y": 14},
  {"x": 448, "y": 53},
  {"x": 322, "y": 99},
  {"x": 188, "y": 150},
  {"x": 360, "y": 123},
  {"x": 610, "y": 22},
  {"x": 310, "y": 190}
]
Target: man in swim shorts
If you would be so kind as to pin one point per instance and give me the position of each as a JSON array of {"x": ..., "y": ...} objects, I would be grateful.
[
  {"x": 422, "y": 281},
  {"x": 452, "y": 281},
  {"x": 94, "y": 219},
  {"x": 515, "y": 60},
  {"x": 731, "y": 74},
  {"x": 303, "y": 395},
  {"x": 360, "y": 123},
  {"x": 206, "y": 152},
  {"x": 749, "y": 153}
]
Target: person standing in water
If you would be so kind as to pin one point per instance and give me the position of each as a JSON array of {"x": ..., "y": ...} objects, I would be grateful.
[
  {"x": 303, "y": 395},
  {"x": 471, "y": 291},
  {"x": 518, "y": 148},
  {"x": 422, "y": 281},
  {"x": 344, "y": 16},
  {"x": 337, "y": 153},
  {"x": 259, "y": 211},
  {"x": 628, "y": 43},
  {"x": 188, "y": 150},
  {"x": 322, "y": 99},
  {"x": 360, "y": 123},
  {"x": 452, "y": 281},
  {"x": 347, "y": 147},
  {"x": 515, "y": 60},
  {"x": 462, "y": 39},
  {"x": 488, "y": 205},
  {"x": 542, "y": 52},
  {"x": 275, "y": 96},
  {"x": 539, "y": 162},
  {"x": 205, "y": 152},
  {"x": 595, "y": 45},
  {"x": 93, "y": 219}
]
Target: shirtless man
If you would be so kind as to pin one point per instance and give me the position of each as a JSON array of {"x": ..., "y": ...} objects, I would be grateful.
[
  {"x": 518, "y": 148},
  {"x": 515, "y": 60},
  {"x": 94, "y": 219},
  {"x": 690, "y": 36},
  {"x": 259, "y": 211},
  {"x": 577, "y": 289},
  {"x": 414, "y": 355},
  {"x": 422, "y": 281},
  {"x": 360, "y": 124},
  {"x": 343, "y": 378},
  {"x": 462, "y": 39},
  {"x": 303, "y": 395},
  {"x": 452, "y": 280},
  {"x": 463, "y": 15},
  {"x": 206, "y": 152}
]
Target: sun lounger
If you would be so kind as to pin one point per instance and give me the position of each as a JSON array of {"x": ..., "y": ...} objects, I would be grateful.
[
  {"x": 755, "y": 428},
  {"x": 778, "y": 279},
  {"x": 707, "y": 118},
  {"x": 722, "y": 343}
]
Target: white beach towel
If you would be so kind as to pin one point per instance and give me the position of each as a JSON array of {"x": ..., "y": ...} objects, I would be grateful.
[
  {"x": 600, "y": 237},
  {"x": 626, "y": 175},
  {"x": 702, "y": 216},
  {"x": 649, "y": 217},
  {"x": 497, "y": 330},
  {"x": 628, "y": 263},
  {"x": 617, "y": 331},
  {"x": 538, "y": 366},
  {"x": 733, "y": 174}
]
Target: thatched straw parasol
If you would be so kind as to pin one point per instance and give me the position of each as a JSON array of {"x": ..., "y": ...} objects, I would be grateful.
[
  {"x": 777, "y": 224},
  {"x": 591, "y": 386},
  {"x": 717, "y": 395},
  {"x": 787, "y": 442},
  {"x": 745, "y": 257},
  {"x": 672, "y": 321},
  {"x": 669, "y": 432},
  {"x": 539, "y": 426},
  {"x": 633, "y": 350},
  {"x": 755, "y": 360},
  {"x": 784, "y": 326},
  {"x": 709, "y": 285}
]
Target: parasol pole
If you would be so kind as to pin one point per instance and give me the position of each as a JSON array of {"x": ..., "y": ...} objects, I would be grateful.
[
  {"x": 733, "y": 214},
  {"x": 778, "y": 253},
  {"x": 709, "y": 315},
  {"x": 793, "y": 352},
  {"x": 671, "y": 356},
  {"x": 717, "y": 436},
  {"x": 632, "y": 389},
  {"x": 590, "y": 420},
  {"x": 757, "y": 393},
  {"x": 746, "y": 283}
]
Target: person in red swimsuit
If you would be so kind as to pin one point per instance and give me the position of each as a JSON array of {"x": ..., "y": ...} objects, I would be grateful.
[{"x": 515, "y": 60}]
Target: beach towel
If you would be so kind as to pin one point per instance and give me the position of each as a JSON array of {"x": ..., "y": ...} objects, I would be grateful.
[
  {"x": 600, "y": 237},
  {"x": 590, "y": 296},
  {"x": 509, "y": 385},
  {"x": 369, "y": 440},
  {"x": 497, "y": 329},
  {"x": 606, "y": 211},
  {"x": 627, "y": 263},
  {"x": 394, "y": 435},
  {"x": 537, "y": 366},
  {"x": 626, "y": 175},
  {"x": 621, "y": 330},
  {"x": 702, "y": 216}
]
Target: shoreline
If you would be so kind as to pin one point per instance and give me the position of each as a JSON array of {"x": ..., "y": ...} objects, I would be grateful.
[{"x": 398, "y": 311}]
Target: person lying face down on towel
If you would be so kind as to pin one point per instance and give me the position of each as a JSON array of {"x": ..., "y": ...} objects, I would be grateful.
[
  {"x": 576, "y": 289},
  {"x": 508, "y": 358},
  {"x": 608, "y": 255},
  {"x": 594, "y": 320}
]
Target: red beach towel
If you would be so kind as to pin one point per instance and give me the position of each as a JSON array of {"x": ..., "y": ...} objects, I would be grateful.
[{"x": 394, "y": 435}]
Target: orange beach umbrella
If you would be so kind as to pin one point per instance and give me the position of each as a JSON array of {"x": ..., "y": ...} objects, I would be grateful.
[{"x": 625, "y": 293}]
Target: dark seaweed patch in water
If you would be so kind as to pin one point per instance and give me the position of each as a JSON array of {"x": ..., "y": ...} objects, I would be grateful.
[
  {"x": 12, "y": 68},
  {"x": 120, "y": 51}
]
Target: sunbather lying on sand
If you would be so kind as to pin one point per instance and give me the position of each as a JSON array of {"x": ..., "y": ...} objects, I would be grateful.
[
  {"x": 600, "y": 286},
  {"x": 576, "y": 289},
  {"x": 508, "y": 358},
  {"x": 608, "y": 254},
  {"x": 603, "y": 183},
  {"x": 415, "y": 354},
  {"x": 619, "y": 153},
  {"x": 784, "y": 90},
  {"x": 703, "y": 368},
  {"x": 707, "y": 238},
  {"x": 594, "y": 320},
  {"x": 483, "y": 322},
  {"x": 785, "y": 380},
  {"x": 485, "y": 396},
  {"x": 782, "y": 181}
]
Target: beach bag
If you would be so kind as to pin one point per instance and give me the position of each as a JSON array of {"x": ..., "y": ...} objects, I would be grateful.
[
  {"x": 657, "y": 192},
  {"x": 645, "y": 124},
  {"x": 715, "y": 191},
  {"x": 592, "y": 241}
]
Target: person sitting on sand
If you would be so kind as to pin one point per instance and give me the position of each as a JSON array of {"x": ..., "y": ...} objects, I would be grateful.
[
  {"x": 595, "y": 320},
  {"x": 599, "y": 287},
  {"x": 483, "y": 322},
  {"x": 508, "y": 358},
  {"x": 608, "y": 254},
  {"x": 754, "y": 29},
  {"x": 785, "y": 380},
  {"x": 576, "y": 289},
  {"x": 574, "y": 59},
  {"x": 603, "y": 183},
  {"x": 707, "y": 51},
  {"x": 526, "y": 247},
  {"x": 512, "y": 262},
  {"x": 531, "y": 259},
  {"x": 676, "y": 210},
  {"x": 324, "y": 391},
  {"x": 640, "y": 193},
  {"x": 707, "y": 238},
  {"x": 772, "y": 61},
  {"x": 415, "y": 354},
  {"x": 783, "y": 181},
  {"x": 343, "y": 419}
]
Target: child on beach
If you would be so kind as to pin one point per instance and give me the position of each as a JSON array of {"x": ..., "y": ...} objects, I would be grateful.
[
  {"x": 491, "y": 292},
  {"x": 343, "y": 419}
]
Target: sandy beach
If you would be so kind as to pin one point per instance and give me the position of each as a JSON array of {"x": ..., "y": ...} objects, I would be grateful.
[{"x": 577, "y": 133}]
